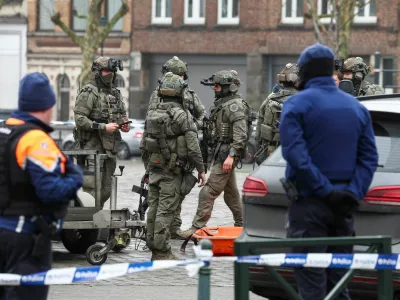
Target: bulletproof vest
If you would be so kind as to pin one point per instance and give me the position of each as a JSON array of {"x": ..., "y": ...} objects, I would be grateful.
[
  {"x": 18, "y": 196},
  {"x": 270, "y": 127},
  {"x": 221, "y": 127},
  {"x": 108, "y": 107},
  {"x": 161, "y": 137}
]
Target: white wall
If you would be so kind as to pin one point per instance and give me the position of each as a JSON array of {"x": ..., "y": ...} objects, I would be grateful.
[{"x": 12, "y": 61}]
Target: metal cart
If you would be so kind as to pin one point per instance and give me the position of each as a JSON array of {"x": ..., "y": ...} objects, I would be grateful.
[{"x": 86, "y": 220}]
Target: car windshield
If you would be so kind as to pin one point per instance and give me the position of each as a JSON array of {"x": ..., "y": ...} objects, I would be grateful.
[{"x": 387, "y": 135}]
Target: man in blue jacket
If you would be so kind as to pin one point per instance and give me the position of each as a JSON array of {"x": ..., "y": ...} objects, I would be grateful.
[
  {"x": 329, "y": 145},
  {"x": 37, "y": 181}
]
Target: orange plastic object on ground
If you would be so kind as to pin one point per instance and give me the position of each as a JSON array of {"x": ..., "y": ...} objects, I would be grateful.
[{"x": 221, "y": 237}]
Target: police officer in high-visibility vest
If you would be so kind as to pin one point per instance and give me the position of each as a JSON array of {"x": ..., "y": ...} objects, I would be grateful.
[
  {"x": 328, "y": 142},
  {"x": 37, "y": 181}
]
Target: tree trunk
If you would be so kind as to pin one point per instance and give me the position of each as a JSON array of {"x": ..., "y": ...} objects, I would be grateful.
[
  {"x": 91, "y": 42},
  {"x": 346, "y": 21},
  {"x": 93, "y": 37}
]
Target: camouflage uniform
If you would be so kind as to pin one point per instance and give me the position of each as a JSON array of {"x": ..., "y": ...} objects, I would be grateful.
[
  {"x": 360, "y": 70},
  {"x": 98, "y": 104},
  {"x": 228, "y": 135},
  {"x": 192, "y": 103},
  {"x": 172, "y": 151},
  {"x": 267, "y": 132}
]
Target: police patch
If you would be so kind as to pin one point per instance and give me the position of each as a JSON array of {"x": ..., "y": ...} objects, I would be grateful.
[{"x": 233, "y": 107}]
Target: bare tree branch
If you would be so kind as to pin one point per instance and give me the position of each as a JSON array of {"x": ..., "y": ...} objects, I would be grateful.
[
  {"x": 56, "y": 19},
  {"x": 314, "y": 16},
  {"x": 111, "y": 23}
]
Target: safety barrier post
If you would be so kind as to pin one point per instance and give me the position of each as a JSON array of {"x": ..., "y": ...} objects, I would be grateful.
[
  {"x": 241, "y": 273},
  {"x": 385, "y": 288},
  {"x": 204, "y": 274}
]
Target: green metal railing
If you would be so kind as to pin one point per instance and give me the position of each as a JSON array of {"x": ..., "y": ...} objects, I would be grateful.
[{"x": 244, "y": 246}]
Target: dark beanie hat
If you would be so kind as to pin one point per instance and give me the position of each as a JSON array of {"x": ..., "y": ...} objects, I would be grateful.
[
  {"x": 316, "y": 60},
  {"x": 35, "y": 93}
]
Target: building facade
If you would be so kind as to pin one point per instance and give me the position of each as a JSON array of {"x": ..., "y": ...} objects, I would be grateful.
[
  {"x": 52, "y": 52},
  {"x": 255, "y": 37},
  {"x": 13, "y": 28}
]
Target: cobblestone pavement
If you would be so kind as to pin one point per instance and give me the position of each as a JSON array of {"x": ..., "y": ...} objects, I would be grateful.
[{"x": 171, "y": 283}]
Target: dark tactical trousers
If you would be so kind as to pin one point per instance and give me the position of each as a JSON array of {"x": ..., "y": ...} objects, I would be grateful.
[
  {"x": 163, "y": 198},
  {"x": 310, "y": 217},
  {"x": 218, "y": 182},
  {"x": 15, "y": 257}
]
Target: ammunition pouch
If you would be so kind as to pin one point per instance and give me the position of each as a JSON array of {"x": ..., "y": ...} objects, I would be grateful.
[
  {"x": 110, "y": 141},
  {"x": 266, "y": 132},
  {"x": 181, "y": 148},
  {"x": 188, "y": 182},
  {"x": 81, "y": 136},
  {"x": 172, "y": 163},
  {"x": 152, "y": 145},
  {"x": 156, "y": 162}
]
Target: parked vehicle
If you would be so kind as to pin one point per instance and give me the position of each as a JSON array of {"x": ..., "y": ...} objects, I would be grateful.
[
  {"x": 265, "y": 204},
  {"x": 130, "y": 140}
]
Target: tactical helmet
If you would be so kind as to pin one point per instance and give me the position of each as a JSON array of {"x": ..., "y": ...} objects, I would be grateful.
[
  {"x": 171, "y": 85},
  {"x": 227, "y": 77},
  {"x": 290, "y": 74},
  {"x": 107, "y": 63},
  {"x": 176, "y": 66},
  {"x": 354, "y": 65}
]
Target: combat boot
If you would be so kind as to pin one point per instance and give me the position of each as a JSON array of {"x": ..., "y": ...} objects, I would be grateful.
[
  {"x": 176, "y": 236},
  {"x": 165, "y": 256},
  {"x": 187, "y": 233}
]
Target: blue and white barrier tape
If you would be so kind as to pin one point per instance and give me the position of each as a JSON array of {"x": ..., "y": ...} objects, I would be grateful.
[
  {"x": 360, "y": 261},
  {"x": 81, "y": 274}
]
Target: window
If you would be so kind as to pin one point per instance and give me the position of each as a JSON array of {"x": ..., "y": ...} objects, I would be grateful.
[
  {"x": 162, "y": 12},
  {"x": 195, "y": 11},
  {"x": 80, "y": 10},
  {"x": 46, "y": 10},
  {"x": 387, "y": 78},
  {"x": 325, "y": 9},
  {"x": 365, "y": 12},
  {"x": 112, "y": 8},
  {"x": 228, "y": 11},
  {"x": 292, "y": 11}
]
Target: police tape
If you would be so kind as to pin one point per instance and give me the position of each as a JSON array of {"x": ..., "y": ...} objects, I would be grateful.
[
  {"x": 95, "y": 273},
  {"x": 361, "y": 261}
]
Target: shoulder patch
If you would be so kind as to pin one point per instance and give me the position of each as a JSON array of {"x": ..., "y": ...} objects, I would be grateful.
[{"x": 233, "y": 107}]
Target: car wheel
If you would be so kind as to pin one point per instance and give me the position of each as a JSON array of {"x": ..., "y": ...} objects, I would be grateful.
[
  {"x": 123, "y": 151},
  {"x": 250, "y": 156},
  {"x": 68, "y": 145}
]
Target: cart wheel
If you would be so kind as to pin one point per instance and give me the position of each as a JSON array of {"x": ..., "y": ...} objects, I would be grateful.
[{"x": 93, "y": 256}]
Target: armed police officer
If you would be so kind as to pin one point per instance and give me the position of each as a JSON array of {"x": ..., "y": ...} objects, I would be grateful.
[
  {"x": 99, "y": 115},
  {"x": 267, "y": 134},
  {"x": 171, "y": 145},
  {"x": 37, "y": 181},
  {"x": 192, "y": 103},
  {"x": 328, "y": 142},
  {"x": 355, "y": 70},
  {"x": 227, "y": 134}
]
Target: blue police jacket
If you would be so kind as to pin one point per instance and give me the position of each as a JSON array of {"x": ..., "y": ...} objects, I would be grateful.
[{"x": 327, "y": 140}]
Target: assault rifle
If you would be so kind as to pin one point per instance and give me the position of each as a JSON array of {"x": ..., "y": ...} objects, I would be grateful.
[
  {"x": 204, "y": 144},
  {"x": 142, "y": 190}
]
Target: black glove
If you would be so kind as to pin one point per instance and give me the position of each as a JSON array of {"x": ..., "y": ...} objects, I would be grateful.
[{"x": 342, "y": 202}]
